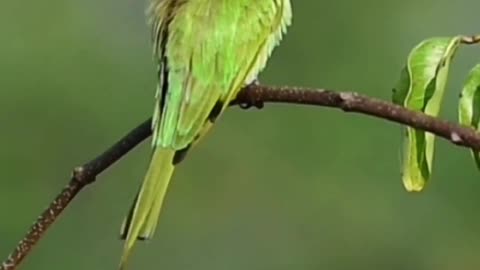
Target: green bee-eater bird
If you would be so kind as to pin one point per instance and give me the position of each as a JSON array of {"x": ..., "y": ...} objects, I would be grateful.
[{"x": 206, "y": 52}]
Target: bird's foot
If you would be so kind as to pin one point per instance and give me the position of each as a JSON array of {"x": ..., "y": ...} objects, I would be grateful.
[{"x": 252, "y": 103}]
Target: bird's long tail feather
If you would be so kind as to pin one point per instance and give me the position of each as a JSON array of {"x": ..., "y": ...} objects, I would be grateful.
[{"x": 142, "y": 219}]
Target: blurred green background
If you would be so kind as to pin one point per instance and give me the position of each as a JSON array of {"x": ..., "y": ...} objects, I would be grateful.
[{"x": 288, "y": 187}]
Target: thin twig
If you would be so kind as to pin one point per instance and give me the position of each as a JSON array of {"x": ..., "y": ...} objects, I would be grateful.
[
  {"x": 254, "y": 95},
  {"x": 81, "y": 177}
]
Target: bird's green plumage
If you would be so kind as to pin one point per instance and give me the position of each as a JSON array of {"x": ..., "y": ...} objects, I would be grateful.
[{"x": 206, "y": 51}]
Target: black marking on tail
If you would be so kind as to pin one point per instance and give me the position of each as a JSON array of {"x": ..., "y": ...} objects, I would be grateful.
[
  {"x": 180, "y": 155},
  {"x": 128, "y": 219},
  {"x": 215, "y": 112}
]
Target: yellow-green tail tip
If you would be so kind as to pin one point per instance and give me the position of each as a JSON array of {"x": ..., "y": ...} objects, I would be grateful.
[{"x": 142, "y": 218}]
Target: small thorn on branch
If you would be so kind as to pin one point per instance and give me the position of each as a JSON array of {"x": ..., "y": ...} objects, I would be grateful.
[
  {"x": 470, "y": 40},
  {"x": 348, "y": 100},
  {"x": 455, "y": 138},
  {"x": 82, "y": 175}
]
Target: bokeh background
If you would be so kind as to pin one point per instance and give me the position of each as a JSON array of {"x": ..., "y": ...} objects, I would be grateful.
[{"x": 288, "y": 187}]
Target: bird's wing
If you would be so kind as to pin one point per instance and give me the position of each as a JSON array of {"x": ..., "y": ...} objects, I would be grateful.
[{"x": 206, "y": 59}]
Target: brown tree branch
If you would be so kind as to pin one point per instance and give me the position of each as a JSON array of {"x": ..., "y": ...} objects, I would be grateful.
[
  {"x": 81, "y": 177},
  {"x": 254, "y": 95}
]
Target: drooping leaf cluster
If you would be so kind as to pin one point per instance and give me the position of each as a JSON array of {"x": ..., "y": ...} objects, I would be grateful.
[{"x": 420, "y": 88}]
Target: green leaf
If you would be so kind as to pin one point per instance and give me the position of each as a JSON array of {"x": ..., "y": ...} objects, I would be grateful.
[
  {"x": 401, "y": 90},
  {"x": 421, "y": 87},
  {"x": 469, "y": 105}
]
